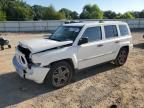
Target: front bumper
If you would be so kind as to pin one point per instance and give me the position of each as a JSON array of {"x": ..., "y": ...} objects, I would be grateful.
[{"x": 37, "y": 74}]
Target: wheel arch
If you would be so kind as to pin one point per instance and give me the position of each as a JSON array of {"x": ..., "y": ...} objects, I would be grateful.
[
  {"x": 68, "y": 60},
  {"x": 116, "y": 61},
  {"x": 126, "y": 47}
]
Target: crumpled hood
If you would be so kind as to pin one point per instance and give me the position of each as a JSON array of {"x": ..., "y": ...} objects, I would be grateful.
[{"x": 37, "y": 45}]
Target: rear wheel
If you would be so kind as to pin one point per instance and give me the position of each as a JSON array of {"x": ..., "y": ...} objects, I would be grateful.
[
  {"x": 122, "y": 57},
  {"x": 60, "y": 74}
]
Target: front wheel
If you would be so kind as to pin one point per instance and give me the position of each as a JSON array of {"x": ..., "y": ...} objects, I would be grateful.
[
  {"x": 122, "y": 57},
  {"x": 60, "y": 74}
]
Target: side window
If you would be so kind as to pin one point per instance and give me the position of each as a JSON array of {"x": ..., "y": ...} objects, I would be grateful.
[
  {"x": 111, "y": 31},
  {"x": 123, "y": 30},
  {"x": 93, "y": 34}
]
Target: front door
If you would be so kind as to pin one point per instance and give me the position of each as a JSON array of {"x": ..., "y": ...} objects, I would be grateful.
[{"x": 90, "y": 53}]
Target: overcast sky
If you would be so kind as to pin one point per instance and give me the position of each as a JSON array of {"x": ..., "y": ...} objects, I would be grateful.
[{"x": 77, "y": 5}]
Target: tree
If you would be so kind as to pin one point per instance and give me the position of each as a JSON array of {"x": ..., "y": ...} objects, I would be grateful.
[
  {"x": 60, "y": 15},
  {"x": 127, "y": 15},
  {"x": 74, "y": 15},
  {"x": 18, "y": 10},
  {"x": 136, "y": 14},
  {"x": 109, "y": 15},
  {"x": 67, "y": 13},
  {"x": 141, "y": 15},
  {"x": 51, "y": 14},
  {"x": 4, "y": 3},
  {"x": 38, "y": 12},
  {"x": 2, "y": 16},
  {"x": 91, "y": 12},
  {"x": 118, "y": 16}
]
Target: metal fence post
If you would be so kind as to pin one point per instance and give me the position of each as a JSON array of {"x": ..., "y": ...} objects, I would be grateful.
[
  {"x": 139, "y": 23},
  {"x": 19, "y": 26},
  {"x": 47, "y": 26},
  {"x": 4, "y": 26}
]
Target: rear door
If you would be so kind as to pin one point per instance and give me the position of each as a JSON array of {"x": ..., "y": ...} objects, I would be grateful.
[
  {"x": 125, "y": 36},
  {"x": 111, "y": 41}
]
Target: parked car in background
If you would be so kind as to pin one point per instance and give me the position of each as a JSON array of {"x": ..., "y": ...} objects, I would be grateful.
[{"x": 74, "y": 46}]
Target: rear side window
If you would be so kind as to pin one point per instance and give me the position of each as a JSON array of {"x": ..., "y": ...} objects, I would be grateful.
[
  {"x": 123, "y": 30},
  {"x": 93, "y": 33},
  {"x": 111, "y": 31}
]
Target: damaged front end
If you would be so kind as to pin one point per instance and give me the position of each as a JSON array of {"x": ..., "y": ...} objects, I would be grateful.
[
  {"x": 26, "y": 68},
  {"x": 26, "y": 60}
]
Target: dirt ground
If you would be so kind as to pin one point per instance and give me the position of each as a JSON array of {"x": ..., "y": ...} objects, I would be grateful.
[{"x": 97, "y": 87}]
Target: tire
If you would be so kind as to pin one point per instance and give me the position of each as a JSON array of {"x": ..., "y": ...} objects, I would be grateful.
[
  {"x": 2, "y": 47},
  {"x": 9, "y": 46},
  {"x": 60, "y": 74},
  {"x": 121, "y": 57}
]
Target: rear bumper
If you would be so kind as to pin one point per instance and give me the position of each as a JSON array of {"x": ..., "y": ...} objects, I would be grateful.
[{"x": 36, "y": 74}]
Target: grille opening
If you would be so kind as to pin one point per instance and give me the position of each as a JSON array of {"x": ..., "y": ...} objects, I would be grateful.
[
  {"x": 23, "y": 60},
  {"x": 26, "y": 52}
]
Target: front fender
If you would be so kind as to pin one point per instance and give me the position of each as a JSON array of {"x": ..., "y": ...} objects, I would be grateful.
[{"x": 48, "y": 57}]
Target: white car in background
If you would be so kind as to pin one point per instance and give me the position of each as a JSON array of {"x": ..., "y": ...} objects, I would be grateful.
[{"x": 72, "y": 47}]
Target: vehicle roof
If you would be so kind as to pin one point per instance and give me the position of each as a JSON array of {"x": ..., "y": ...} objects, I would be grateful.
[{"x": 91, "y": 23}]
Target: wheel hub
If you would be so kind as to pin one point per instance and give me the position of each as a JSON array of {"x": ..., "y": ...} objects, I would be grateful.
[{"x": 61, "y": 75}]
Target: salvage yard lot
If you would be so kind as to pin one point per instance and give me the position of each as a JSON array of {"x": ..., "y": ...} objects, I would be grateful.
[{"x": 97, "y": 87}]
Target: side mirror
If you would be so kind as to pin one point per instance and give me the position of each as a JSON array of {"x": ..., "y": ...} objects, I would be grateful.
[{"x": 83, "y": 41}]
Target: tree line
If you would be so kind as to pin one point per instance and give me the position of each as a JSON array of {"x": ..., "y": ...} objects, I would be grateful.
[{"x": 17, "y": 10}]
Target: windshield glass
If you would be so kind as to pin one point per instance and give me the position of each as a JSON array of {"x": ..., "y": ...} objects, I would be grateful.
[{"x": 66, "y": 33}]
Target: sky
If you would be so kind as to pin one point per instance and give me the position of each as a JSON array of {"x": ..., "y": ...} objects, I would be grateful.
[{"x": 77, "y": 5}]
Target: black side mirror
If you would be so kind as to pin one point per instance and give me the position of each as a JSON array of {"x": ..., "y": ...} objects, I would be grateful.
[{"x": 83, "y": 41}]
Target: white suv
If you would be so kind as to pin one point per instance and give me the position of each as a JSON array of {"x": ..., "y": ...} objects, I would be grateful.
[{"x": 73, "y": 46}]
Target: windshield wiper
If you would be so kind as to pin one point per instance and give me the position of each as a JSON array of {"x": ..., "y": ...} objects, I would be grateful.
[{"x": 53, "y": 39}]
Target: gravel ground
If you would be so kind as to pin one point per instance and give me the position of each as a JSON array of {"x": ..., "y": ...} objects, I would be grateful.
[{"x": 100, "y": 86}]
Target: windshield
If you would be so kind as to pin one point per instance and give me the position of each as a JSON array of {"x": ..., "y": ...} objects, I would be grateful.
[{"x": 66, "y": 33}]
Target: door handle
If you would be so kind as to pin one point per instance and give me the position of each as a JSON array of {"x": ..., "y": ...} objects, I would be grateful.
[
  {"x": 100, "y": 45},
  {"x": 117, "y": 41}
]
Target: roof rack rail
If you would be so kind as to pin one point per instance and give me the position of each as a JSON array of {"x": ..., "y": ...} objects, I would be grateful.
[
  {"x": 72, "y": 21},
  {"x": 101, "y": 21}
]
